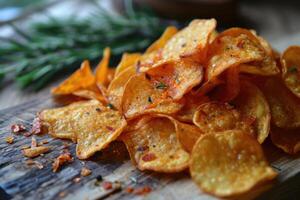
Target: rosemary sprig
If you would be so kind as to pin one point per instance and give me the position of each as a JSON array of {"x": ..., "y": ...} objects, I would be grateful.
[{"x": 46, "y": 49}]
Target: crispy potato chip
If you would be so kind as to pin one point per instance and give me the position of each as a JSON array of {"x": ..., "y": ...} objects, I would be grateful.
[
  {"x": 176, "y": 78},
  {"x": 116, "y": 88},
  {"x": 291, "y": 69},
  {"x": 286, "y": 139},
  {"x": 229, "y": 163},
  {"x": 127, "y": 60},
  {"x": 232, "y": 48},
  {"x": 191, "y": 41},
  {"x": 89, "y": 94},
  {"x": 155, "y": 147},
  {"x": 141, "y": 96},
  {"x": 252, "y": 104},
  {"x": 216, "y": 116},
  {"x": 164, "y": 38},
  {"x": 284, "y": 105},
  {"x": 137, "y": 123},
  {"x": 208, "y": 86},
  {"x": 93, "y": 125},
  {"x": 149, "y": 60},
  {"x": 192, "y": 102},
  {"x": 103, "y": 68},
  {"x": 81, "y": 79}
]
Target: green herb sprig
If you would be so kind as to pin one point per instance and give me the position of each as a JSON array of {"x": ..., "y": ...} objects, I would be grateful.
[{"x": 48, "y": 48}]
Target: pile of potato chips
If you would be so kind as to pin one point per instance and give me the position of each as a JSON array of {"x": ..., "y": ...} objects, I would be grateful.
[{"x": 195, "y": 99}]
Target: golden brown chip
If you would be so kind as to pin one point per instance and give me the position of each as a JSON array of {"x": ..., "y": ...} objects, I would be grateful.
[
  {"x": 116, "y": 88},
  {"x": 176, "y": 78},
  {"x": 127, "y": 60},
  {"x": 229, "y": 163},
  {"x": 155, "y": 147},
  {"x": 81, "y": 79},
  {"x": 284, "y": 105},
  {"x": 89, "y": 94},
  {"x": 191, "y": 41},
  {"x": 164, "y": 38},
  {"x": 252, "y": 104},
  {"x": 141, "y": 96},
  {"x": 216, "y": 116},
  {"x": 103, "y": 68},
  {"x": 286, "y": 139},
  {"x": 291, "y": 69}
]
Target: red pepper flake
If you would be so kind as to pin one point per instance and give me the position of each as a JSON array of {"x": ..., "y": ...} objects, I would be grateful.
[
  {"x": 129, "y": 189},
  {"x": 85, "y": 171},
  {"x": 110, "y": 128},
  {"x": 149, "y": 157},
  {"x": 9, "y": 139},
  {"x": 36, "y": 126},
  {"x": 17, "y": 128},
  {"x": 107, "y": 185},
  {"x": 60, "y": 160},
  {"x": 142, "y": 190}
]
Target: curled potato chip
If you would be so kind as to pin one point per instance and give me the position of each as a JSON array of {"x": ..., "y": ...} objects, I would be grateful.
[
  {"x": 216, "y": 116},
  {"x": 102, "y": 68},
  {"x": 191, "y": 41},
  {"x": 229, "y": 163},
  {"x": 93, "y": 125},
  {"x": 286, "y": 139},
  {"x": 81, "y": 79},
  {"x": 291, "y": 69},
  {"x": 155, "y": 147},
  {"x": 252, "y": 104},
  {"x": 141, "y": 96},
  {"x": 176, "y": 78},
  {"x": 208, "y": 86},
  {"x": 232, "y": 48},
  {"x": 160, "y": 43},
  {"x": 127, "y": 60},
  {"x": 284, "y": 105},
  {"x": 116, "y": 88}
]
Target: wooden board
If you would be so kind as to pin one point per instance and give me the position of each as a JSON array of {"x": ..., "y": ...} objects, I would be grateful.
[{"x": 19, "y": 181}]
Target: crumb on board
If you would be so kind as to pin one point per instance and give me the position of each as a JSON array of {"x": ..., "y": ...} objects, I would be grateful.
[
  {"x": 60, "y": 160},
  {"x": 17, "y": 128},
  {"x": 85, "y": 171},
  {"x": 36, "y": 126},
  {"x": 33, "y": 142},
  {"x": 77, "y": 180},
  {"x": 35, "y": 151},
  {"x": 9, "y": 139}
]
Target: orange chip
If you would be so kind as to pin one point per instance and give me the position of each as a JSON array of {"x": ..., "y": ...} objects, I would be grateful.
[
  {"x": 284, "y": 105},
  {"x": 229, "y": 163},
  {"x": 286, "y": 139},
  {"x": 82, "y": 78},
  {"x": 253, "y": 105},
  {"x": 176, "y": 78},
  {"x": 103, "y": 68},
  {"x": 169, "y": 32},
  {"x": 291, "y": 69},
  {"x": 232, "y": 48},
  {"x": 155, "y": 147},
  {"x": 127, "y": 60},
  {"x": 141, "y": 96},
  {"x": 216, "y": 116},
  {"x": 116, "y": 88},
  {"x": 191, "y": 41}
]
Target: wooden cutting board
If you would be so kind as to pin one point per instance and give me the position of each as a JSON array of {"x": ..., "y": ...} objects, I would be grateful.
[{"x": 20, "y": 181}]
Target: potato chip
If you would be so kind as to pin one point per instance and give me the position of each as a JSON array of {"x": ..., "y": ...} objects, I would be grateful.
[
  {"x": 103, "y": 68},
  {"x": 208, "y": 86},
  {"x": 155, "y": 147},
  {"x": 160, "y": 43},
  {"x": 286, "y": 139},
  {"x": 291, "y": 69},
  {"x": 116, "y": 88},
  {"x": 149, "y": 60},
  {"x": 229, "y": 163},
  {"x": 81, "y": 79},
  {"x": 89, "y": 94},
  {"x": 141, "y": 96},
  {"x": 284, "y": 105},
  {"x": 176, "y": 78},
  {"x": 137, "y": 123},
  {"x": 253, "y": 105},
  {"x": 127, "y": 60},
  {"x": 232, "y": 48},
  {"x": 216, "y": 116},
  {"x": 191, "y": 41}
]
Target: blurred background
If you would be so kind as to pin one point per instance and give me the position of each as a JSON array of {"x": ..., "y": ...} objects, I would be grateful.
[{"x": 42, "y": 41}]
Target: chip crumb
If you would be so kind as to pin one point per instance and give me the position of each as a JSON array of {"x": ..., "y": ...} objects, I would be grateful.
[
  {"x": 35, "y": 151},
  {"x": 85, "y": 171},
  {"x": 142, "y": 190},
  {"x": 9, "y": 139},
  {"x": 17, "y": 128},
  {"x": 60, "y": 160},
  {"x": 107, "y": 185},
  {"x": 33, "y": 142},
  {"x": 77, "y": 180},
  {"x": 25, "y": 147},
  {"x": 36, "y": 126},
  {"x": 27, "y": 134},
  {"x": 62, "y": 194}
]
